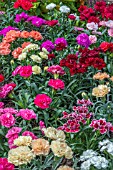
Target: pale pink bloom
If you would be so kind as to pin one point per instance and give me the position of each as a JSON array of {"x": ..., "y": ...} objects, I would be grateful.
[
  {"x": 7, "y": 120},
  {"x": 13, "y": 131},
  {"x": 96, "y": 32},
  {"x": 27, "y": 114},
  {"x": 110, "y": 32},
  {"x": 28, "y": 133},
  {"x": 93, "y": 39},
  {"x": 56, "y": 69},
  {"x": 92, "y": 26},
  {"x": 109, "y": 24},
  {"x": 1, "y": 104},
  {"x": 78, "y": 29},
  {"x": 102, "y": 23}
]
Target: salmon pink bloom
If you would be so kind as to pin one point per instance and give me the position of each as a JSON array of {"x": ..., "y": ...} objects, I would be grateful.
[{"x": 42, "y": 101}]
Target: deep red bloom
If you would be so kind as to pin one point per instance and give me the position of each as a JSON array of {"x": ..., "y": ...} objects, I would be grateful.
[
  {"x": 99, "y": 63},
  {"x": 93, "y": 19},
  {"x": 1, "y": 77},
  {"x": 26, "y": 5},
  {"x": 99, "y": 6},
  {"x": 5, "y": 165},
  {"x": 82, "y": 8},
  {"x": 72, "y": 17},
  {"x": 52, "y": 22},
  {"x": 42, "y": 101},
  {"x": 51, "y": 56}
]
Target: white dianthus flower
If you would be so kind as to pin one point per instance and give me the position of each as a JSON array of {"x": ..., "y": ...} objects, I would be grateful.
[
  {"x": 85, "y": 165},
  {"x": 50, "y": 6},
  {"x": 87, "y": 155},
  {"x": 64, "y": 9},
  {"x": 99, "y": 162}
]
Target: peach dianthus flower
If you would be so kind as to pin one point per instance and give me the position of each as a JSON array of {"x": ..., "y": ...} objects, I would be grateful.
[
  {"x": 100, "y": 76},
  {"x": 40, "y": 146}
]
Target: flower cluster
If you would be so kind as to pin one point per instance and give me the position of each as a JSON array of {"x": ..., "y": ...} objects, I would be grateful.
[
  {"x": 91, "y": 157},
  {"x": 12, "y": 35},
  {"x": 80, "y": 114}
]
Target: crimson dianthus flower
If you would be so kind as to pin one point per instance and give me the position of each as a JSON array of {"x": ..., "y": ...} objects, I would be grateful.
[
  {"x": 1, "y": 77},
  {"x": 42, "y": 101}
]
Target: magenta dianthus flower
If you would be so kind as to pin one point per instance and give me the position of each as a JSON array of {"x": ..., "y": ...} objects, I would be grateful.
[
  {"x": 83, "y": 40},
  {"x": 48, "y": 45}
]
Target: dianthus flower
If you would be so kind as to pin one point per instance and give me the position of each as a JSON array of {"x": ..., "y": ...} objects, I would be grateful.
[
  {"x": 83, "y": 39},
  {"x": 7, "y": 29},
  {"x": 52, "y": 23},
  {"x": 25, "y": 71},
  {"x": 41, "y": 126},
  {"x": 48, "y": 45},
  {"x": 6, "y": 89},
  {"x": 17, "y": 52},
  {"x": 100, "y": 91},
  {"x": 72, "y": 17},
  {"x": 40, "y": 147},
  {"x": 56, "y": 69},
  {"x": 28, "y": 133},
  {"x": 14, "y": 130},
  {"x": 56, "y": 84},
  {"x": 26, "y": 114},
  {"x": 20, "y": 16},
  {"x": 1, "y": 78},
  {"x": 100, "y": 76},
  {"x": 7, "y": 120},
  {"x": 102, "y": 126},
  {"x": 23, "y": 141},
  {"x": 61, "y": 149},
  {"x": 60, "y": 44},
  {"x": 42, "y": 101},
  {"x": 20, "y": 155},
  {"x": 65, "y": 167},
  {"x": 5, "y": 165},
  {"x": 1, "y": 105}
]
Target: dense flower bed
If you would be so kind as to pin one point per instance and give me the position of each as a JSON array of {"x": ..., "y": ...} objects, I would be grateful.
[{"x": 56, "y": 96}]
